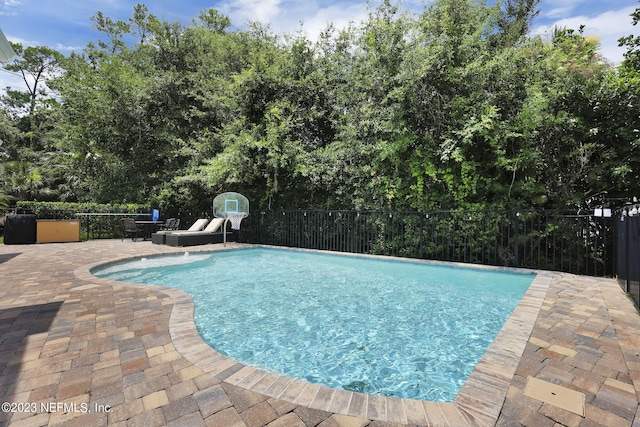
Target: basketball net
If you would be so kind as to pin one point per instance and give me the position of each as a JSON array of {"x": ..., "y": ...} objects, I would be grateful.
[{"x": 235, "y": 220}]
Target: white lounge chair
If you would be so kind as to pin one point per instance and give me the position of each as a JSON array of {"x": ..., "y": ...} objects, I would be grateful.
[
  {"x": 211, "y": 234},
  {"x": 160, "y": 236}
]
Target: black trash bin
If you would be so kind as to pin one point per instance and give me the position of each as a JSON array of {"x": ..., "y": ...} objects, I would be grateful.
[{"x": 20, "y": 229}]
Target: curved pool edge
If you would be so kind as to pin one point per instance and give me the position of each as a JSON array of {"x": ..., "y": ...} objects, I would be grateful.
[{"x": 479, "y": 401}]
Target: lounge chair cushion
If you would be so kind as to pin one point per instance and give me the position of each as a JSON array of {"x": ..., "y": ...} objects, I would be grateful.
[
  {"x": 198, "y": 225},
  {"x": 214, "y": 225}
]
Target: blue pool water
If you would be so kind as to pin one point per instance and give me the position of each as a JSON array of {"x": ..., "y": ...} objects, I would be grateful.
[{"x": 385, "y": 327}]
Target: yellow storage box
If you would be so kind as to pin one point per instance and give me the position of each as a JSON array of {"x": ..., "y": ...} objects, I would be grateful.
[{"x": 53, "y": 230}]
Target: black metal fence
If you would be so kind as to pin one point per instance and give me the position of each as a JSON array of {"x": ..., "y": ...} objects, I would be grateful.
[
  {"x": 104, "y": 224},
  {"x": 562, "y": 241},
  {"x": 627, "y": 254}
]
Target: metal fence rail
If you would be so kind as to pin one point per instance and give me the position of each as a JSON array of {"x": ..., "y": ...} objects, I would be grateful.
[{"x": 552, "y": 240}]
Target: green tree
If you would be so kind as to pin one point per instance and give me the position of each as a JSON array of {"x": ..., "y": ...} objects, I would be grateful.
[
  {"x": 23, "y": 180},
  {"x": 514, "y": 20},
  {"x": 9, "y": 135},
  {"x": 35, "y": 65},
  {"x": 457, "y": 107},
  {"x": 31, "y": 107},
  {"x": 632, "y": 43},
  {"x": 120, "y": 116}
]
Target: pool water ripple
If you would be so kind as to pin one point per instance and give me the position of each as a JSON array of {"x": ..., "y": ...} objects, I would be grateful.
[{"x": 394, "y": 328}]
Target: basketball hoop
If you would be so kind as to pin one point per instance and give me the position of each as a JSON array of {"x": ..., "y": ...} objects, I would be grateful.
[
  {"x": 235, "y": 219},
  {"x": 233, "y": 207}
]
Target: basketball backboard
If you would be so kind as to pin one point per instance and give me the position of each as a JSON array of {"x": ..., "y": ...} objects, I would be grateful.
[{"x": 228, "y": 204}]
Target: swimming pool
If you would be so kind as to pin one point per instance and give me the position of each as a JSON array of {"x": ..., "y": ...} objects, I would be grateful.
[{"x": 388, "y": 327}]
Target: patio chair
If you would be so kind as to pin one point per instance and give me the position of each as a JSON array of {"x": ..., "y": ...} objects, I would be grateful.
[
  {"x": 169, "y": 224},
  {"x": 130, "y": 228}
]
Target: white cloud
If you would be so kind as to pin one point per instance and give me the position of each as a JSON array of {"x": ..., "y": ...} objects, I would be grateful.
[
  {"x": 8, "y": 4},
  {"x": 558, "y": 8},
  {"x": 242, "y": 11},
  {"x": 23, "y": 42},
  {"x": 557, "y": 12},
  {"x": 9, "y": 79},
  {"x": 63, "y": 48},
  {"x": 286, "y": 16},
  {"x": 8, "y": 7},
  {"x": 340, "y": 16},
  {"x": 608, "y": 27}
]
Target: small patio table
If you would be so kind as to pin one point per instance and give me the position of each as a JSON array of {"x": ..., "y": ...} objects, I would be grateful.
[
  {"x": 94, "y": 228},
  {"x": 149, "y": 227}
]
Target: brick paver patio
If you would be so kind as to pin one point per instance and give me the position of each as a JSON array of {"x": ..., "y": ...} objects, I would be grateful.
[{"x": 77, "y": 350}]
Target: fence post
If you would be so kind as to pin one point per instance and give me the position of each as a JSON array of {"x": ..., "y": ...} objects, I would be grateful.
[
  {"x": 420, "y": 253},
  {"x": 627, "y": 282},
  {"x": 516, "y": 238},
  {"x": 352, "y": 232}
]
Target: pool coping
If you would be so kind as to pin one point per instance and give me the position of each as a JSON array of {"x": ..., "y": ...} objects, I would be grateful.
[{"x": 479, "y": 401}]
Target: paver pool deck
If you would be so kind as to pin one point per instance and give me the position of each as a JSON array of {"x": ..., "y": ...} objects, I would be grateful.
[{"x": 77, "y": 350}]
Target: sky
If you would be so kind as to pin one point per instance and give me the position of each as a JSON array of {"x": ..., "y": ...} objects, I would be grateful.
[{"x": 65, "y": 25}]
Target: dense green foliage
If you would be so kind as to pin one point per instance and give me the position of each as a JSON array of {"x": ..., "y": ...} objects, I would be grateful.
[
  {"x": 456, "y": 107},
  {"x": 70, "y": 210}
]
